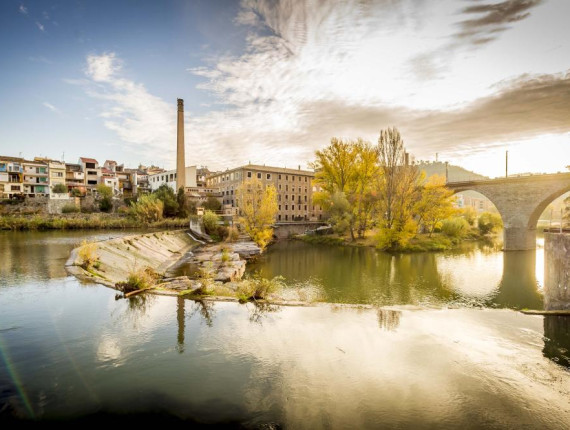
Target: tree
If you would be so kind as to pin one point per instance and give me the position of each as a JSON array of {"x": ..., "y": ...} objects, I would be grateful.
[
  {"x": 212, "y": 204},
  {"x": 168, "y": 198},
  {"x": 345, "y": 172},
  {"x": 258, "y": 208},
  {"x": 182, "y": 203},
  {"x": 398, "y": 191},
  {"x": 59, "y": 189},
  {"x": 148, "y": 208},
  {"x": 435, "y": 203},
  {"x": 489, "y": 222},
  {"x": 106, "y": 195},
  {"x": 76, "y": 192}
]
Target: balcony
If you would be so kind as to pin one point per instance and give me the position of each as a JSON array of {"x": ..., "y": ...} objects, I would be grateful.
[{"x": 15, "y": 169}]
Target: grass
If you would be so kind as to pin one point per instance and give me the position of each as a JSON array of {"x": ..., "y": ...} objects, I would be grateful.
[
  {"x": 83, "y": 222},
  {"x": 139, "y": 279},
  {"x": 322, "y": 240},
  {"x": 87, "y": 253}
]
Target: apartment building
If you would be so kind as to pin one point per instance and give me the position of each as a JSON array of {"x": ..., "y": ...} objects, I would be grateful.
[
  {"x": 36, "y": 178},
  {"x": 90, "y": 167},
  {"x": 74, "y": 177},
  {"x": 56, "y": 172},
  {"x": 11, "y": 177},
  {"x": 168, "y": 177},
  {"x": 294, "y": 190}
]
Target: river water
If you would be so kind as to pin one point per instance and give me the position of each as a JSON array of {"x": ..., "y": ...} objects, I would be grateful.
[{"x": 446, "y": 349}]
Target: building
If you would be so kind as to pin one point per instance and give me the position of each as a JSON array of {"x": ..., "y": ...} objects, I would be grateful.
[
  {"x": 168, "y": 177},
  {"x": 36, "y": 178},
  {"x": 475, "y": 200},
  {"x": 11, "y": 177},
  {"x": 90, "y": 167},
  {"x": 56, "y": 172},
  {"x": 294, "y": 190},
  {"x": 74, "y": 177}
]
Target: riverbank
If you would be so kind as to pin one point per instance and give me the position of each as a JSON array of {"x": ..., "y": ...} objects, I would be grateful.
[
  {"x": 420, "y": 243},
  {"x": 83, "y": 222}
]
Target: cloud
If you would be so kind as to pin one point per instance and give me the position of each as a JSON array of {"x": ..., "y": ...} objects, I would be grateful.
[
  {"x": 102, "y": 68},
  {"x": 23, "y": 9},
  {"x": 51, "y": 107},
  {"x": 40, "y": 26},
  {"x": 492, "y": 19}
]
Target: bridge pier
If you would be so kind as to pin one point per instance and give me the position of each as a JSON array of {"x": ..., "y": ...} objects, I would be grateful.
[{"x": 519, "y": 238}]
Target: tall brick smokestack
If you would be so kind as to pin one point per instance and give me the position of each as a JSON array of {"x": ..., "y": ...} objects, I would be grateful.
[{"x": 180, "y": 156}]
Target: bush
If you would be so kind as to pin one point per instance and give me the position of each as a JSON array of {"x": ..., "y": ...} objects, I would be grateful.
[
  {"x": 233, "y": 234},
  {"x": 225, "y": 255},
  {"x": 469, "y": 214},
  {"x": 210, "y": 221},
  {"x": 139, "y": 279},
  {"x": 455, "y": 227},
  {"x": 87, "y": 253},
  {"x": 59, "y": 189},
  {"x": 212, "y": 204},
  {"x": 489, "y": 223},
  {"x": 69, "y": 208},
  {"x": 106, "y": 204},
  {"x": 258, "y": 288},
  {"x": 148, "y": 208}
]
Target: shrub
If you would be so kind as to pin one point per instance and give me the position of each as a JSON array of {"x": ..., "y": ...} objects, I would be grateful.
[
  {"x": 69, "y": 208},
  {"x": 212, "y": 204},
  {"x": 489, "y": 223},
  {"x": 225, "y": 255},
  {"x": 106, "y": 204},
  {"x": 139, "y": 279},
  {"x": 210, "y": 221},
  {"x": 87, "y": 253},
  {"x": 76, "y": 192},
  {"x": 223, "y": 232},
  {"x": 59, "y": 189},
  {"x": 469, "y": 214},
  {"x": 455, "y": 227},
  {"x": 233, "y": 234},
  {"x": 258, "y": 288},
  {"x": 148, "y": 208}
]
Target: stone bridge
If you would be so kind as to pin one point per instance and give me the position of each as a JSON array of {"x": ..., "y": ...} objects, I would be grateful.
[
  {"x": 282, "y": 230},
  {"x": 520, "y": 202}
]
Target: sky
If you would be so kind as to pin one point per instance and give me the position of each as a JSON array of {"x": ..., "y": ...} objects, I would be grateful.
[{"x": 269, "y": 81}]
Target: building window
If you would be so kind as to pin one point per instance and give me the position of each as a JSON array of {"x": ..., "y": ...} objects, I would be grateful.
[
  {"x": 305, "y": 199},
  {"x": 292, "y": 198},
  {"x": 286, "y": 177},
  {"x": 15, "y": 187},
  {"x": 279, "y": 187},
  {"x": 279, "y": 207},
  {"x": 91, "y": 172},
  {"x": 305, "y": 207},
  {"x": 279, "y": 176},
  {"x": 268, "y": 176},
  {"x": 286, "y": 196},
  {"x": 305, "y": 179},
  {"x": 279, "y": 217},
  {"x": 249, "y": 174},
  {"x": 90, "y": 165},
  {"x": 286, "y": 217},
  {"x": 258, "y": 175},
  {"x": 286, "y": 207},
  {"x": 286, "y": 187}
]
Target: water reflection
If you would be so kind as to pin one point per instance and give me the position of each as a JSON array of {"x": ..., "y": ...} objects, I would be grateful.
[
  {"x": 388, "y": 319},
  {"x": 557, "y": 339},
  {"x": 478, "y": 274}
]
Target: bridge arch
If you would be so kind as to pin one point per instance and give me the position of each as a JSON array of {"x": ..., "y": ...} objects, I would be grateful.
[{"x": 520, "y": 202}]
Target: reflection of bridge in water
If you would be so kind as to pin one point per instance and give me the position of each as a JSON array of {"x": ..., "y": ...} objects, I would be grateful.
[{"x": 520, "y": 202}]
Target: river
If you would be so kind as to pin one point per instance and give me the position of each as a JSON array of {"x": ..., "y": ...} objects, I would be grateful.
[{"x": 445, "y": 350}]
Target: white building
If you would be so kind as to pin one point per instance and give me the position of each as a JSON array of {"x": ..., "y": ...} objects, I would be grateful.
[{"x": 169, "y": 178}]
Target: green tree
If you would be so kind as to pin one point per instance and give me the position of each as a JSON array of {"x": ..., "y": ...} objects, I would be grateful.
[
  {"x": 435, "y": 203},
  {"x": 59, "y": 189},
  {"x": 398, "y": 191},
  {"x": 182, "y": 203},
  {"x": 489, "y": 223},
  {"x": 106, "y": 197},
  {"x": 258, "y": 208},
  {"x": 168, "y": 198},
  {"x": 212, "y": 204}
]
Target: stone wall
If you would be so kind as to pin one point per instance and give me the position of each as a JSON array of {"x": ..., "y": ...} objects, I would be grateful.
[{"x": 556, "y": 271}]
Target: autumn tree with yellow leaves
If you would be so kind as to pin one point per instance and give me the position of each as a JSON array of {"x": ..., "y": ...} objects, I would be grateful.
[{"x": 258, "y": 208}]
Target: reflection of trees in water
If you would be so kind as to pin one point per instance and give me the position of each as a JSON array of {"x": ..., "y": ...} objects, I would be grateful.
[
  {"x": 257, "y": 310},
  {"x": 388, "y": 319},
  {"x": 180, "y": 319},
  {"x": 205, "y": 309},
  {"x": 557, "y": 339}
]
